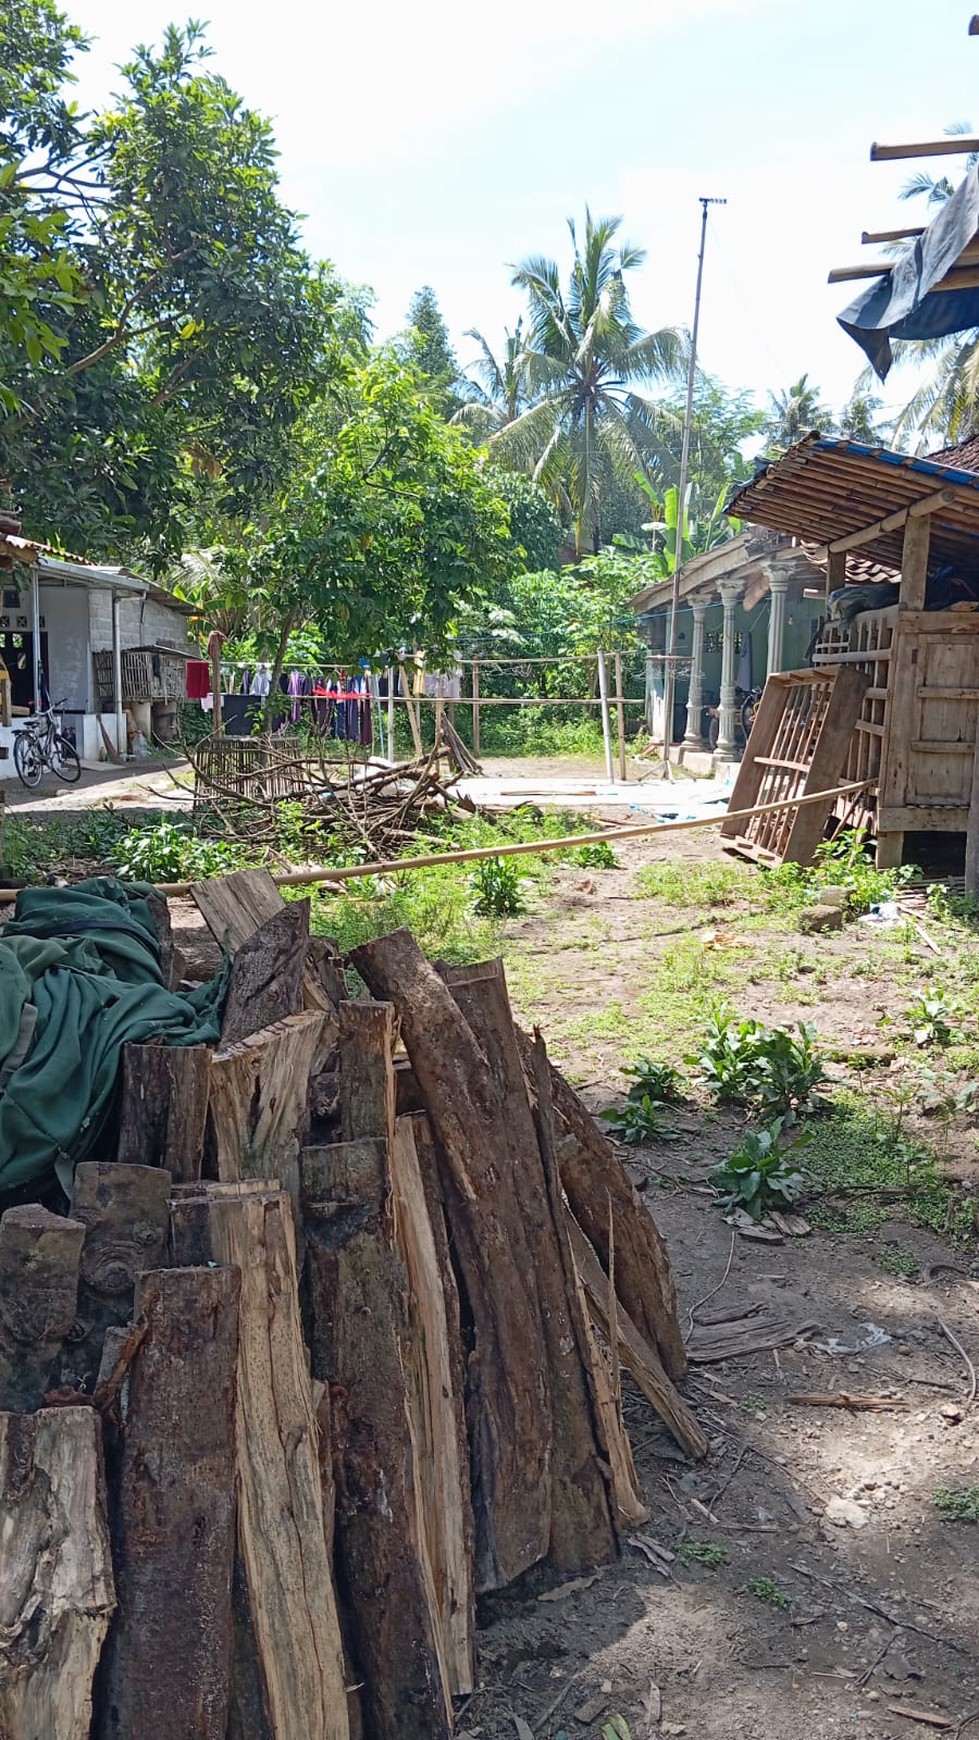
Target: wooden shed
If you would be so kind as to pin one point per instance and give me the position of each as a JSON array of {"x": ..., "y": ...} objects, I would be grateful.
[{"x": 915, "y": 737}]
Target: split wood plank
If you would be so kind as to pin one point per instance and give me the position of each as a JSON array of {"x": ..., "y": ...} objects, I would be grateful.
[
  {"x": 39, "y": 1257},
  {"x": 258, "y": 1100},
  {"x": 167, "y": 1662},
  {"x": 267, "y": 974},
  {"x": 508, "y": 1405},
  {"x": 972, "y": 832},
  {"x": 583, "y": 1532},
  {"x": 281, "y": 1529},
  {"x": 56, "y": 1587},
  {"x": 592, "y": 1176},
  {"x": 125, "y": 1211},
  {"x": 628, "y": 1507},
  {"x": 637, "y": 1355},
  {"x": 163, "y": 1107},
  {"x": 435, "y": 1396},
  {"x": 356, "y": 1291},
  {"x": 236, "y": 906}
]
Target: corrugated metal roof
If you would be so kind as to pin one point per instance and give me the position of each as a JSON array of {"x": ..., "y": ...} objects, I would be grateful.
[{"x": 826, "y": 487}]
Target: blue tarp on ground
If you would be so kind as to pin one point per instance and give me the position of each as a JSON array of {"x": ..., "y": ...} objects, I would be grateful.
[{"x": 903, "y": 304}]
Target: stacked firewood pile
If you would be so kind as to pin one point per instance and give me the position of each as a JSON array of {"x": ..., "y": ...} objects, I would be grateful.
[
  {"x": 327, "y": 1344},
  {"x": 240, "y": 784}
]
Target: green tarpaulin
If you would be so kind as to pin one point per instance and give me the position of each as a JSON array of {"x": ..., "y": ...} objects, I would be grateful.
[{"x": 79, "y": 979}]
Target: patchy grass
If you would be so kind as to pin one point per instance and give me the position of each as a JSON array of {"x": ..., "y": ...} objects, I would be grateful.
[
  {"x": 958, "y": 1504},
  {"x": 864, "y": 1162},
  {"x": 701, "y": 1553},
  {"x": 766, "y": 1589}
]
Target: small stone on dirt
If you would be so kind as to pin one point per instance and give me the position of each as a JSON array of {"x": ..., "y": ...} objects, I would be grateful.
[
  {"x": 820, "y": 918},
  {"x": 845, "y": 1513}
]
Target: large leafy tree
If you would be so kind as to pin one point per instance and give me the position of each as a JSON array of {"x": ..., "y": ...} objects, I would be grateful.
[
  {"x": 587, "y": 362},
  {"x": 389, "y": 526},
  {"x": 430, "y": 348},
  {"x": 186, "y": 330}
]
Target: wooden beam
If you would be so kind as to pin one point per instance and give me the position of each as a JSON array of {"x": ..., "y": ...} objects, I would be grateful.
[
  {"x": 953, "y": 279},
  {"x": 874, "y": 269},
  {"x": 914, "y": 562},
  {"x": 955, "y": 144},
  {"x": 928, "y": 504},
  {"x": 868, "y": 236}
]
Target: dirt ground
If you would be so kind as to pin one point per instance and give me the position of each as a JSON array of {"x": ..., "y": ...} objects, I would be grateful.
[{"x": 812, "y": 1626}]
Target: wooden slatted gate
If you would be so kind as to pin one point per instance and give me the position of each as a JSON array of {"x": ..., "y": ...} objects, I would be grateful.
[{"x": 799, "y": 744}]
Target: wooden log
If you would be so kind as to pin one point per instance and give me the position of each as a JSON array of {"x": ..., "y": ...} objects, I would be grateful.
[
  {"x": 56, "y": 1587},
  {"x": 582, "y": 1530},
  {"x": 236, "y": 906},
  {"x": 640, "y": 1359},
  {"x": 367, "y": 1089},
  {"x": 281, "y": 1530},
  {"x": 508, "y": 1404},
  {"x": 604, "y": 1392},
  {"x": 267, "y": 975},
  {"x": 592, "y": 1176},
  {"x": 125, "y": 1211},
  {"x": 167, "y": 1662},
  {"x": 443, "y": 1500},
  {"x": 258, "y": 1104},
  {"x": 163, "y": 1107},
  {"x": 356, "y": 1291},
  {"x": 160, "y": 914},
  {"x": 39, "y": 1257}
]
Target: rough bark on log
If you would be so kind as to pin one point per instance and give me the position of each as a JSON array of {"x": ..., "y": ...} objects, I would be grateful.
[
  {"x": 160, "y": 914},
  {"x": 281, "y": 1531},
  {"x": 437, "y": 1410},
  {"x": 258, "y": 1101},
  {"x": 508, "y": 1404},
  {"x": 125, "y": 1211},
  {"x": 367, "y": 1094},
  {"x": 358, "y": 1310},
  {"x": 267, "y": 975},
  {"x": 163, "y": 1107},
  {"x": 56, "y": 1588},
  {"x": 603, "y": 1397},
  {"x": 235, "y": 906},
  {"x": 39, "y": 1256},
  {"x": 582, "y": 1529},
  {"x": 167, "y": 1663},
  {"x": 591, "y": 1175},
  {"x": 637, "y": 1355}
]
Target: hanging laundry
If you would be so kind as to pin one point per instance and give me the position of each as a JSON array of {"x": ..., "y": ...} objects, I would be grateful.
[
  {"x": 198, "y": 679},
  {"x": 261, "y": 681}
]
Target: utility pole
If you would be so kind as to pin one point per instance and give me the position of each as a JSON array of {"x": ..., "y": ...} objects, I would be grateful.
[{"x": 669, "y": 682}]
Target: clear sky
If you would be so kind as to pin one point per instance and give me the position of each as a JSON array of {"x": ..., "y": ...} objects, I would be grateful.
[{"x": 436, "y": 142}]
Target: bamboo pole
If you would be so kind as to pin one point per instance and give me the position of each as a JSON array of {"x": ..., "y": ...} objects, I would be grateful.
[
  {"x": 475, "y": 683},
  {"x": 393, "y": 866},
  {"x": 416, "y": 736},
  {"x": 620, "y": 717},
  {"x": 606, "y": 725},
  {"x": 391, "y": 682}
]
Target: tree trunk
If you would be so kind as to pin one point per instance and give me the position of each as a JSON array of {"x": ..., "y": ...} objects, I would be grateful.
[
  {"x": 591, "y": 1176},
  {"x": 125, "y": 1211},
  {"x": 163, "y": 1107},
  {"x": 259, "y": 1095},
  {"x": 39, "y": 1256},
  {"x": 508, "y": 1405},
  {"x": 56, "y": 1589},
  {"x": 582, "y": 1532},
  {"x": 281, "y": 1531},
  {"x": 167, "y": 1664},
  {"x": 358, "y": 1311}
]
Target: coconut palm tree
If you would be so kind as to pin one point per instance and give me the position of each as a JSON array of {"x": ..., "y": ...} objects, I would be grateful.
[
  {"x": 586, "y": 359},
  {"x": 500, "y": 387},
  {"x": 793, "y": 413}
]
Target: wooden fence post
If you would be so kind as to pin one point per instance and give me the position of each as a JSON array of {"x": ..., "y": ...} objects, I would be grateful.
[
  {"x": 620, "y": 716},
  {"x": 476, "y": 708}
]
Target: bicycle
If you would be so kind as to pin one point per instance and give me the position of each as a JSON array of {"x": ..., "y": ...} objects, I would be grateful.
[{"x": 40, "y": 743}]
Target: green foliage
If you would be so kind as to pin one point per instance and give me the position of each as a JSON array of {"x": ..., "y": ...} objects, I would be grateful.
[
  {"x": 864, "y": 1161},
  {"x": 535, "y": 528},
  {"x": 894, "y": 1259},
  {"x": 30, "y": 849},
  {"x": 430, "y": 349},
  {"x": 701, "y": 1553},
  {"x": 639, "y": 1120},
  {"x": 846, "y": 863},
  {"x": 696, "y": 885},
  {"x": 497, "y": 888},
  {"x": 765, "y": 1589},
  {"x": 793, "y": 413},
  {"x": 172, "y": 852},
  {"x": 756, "y": 1177},
  {"x": 598, "y": 856},
  {"x": 586, "y": 360},
  {"x": 616, "y": 1728},
  {"x": 659, "y": 1080},
  {"x": 957, "y": 1504},
  {"x": 748, "y": 1064},
  {"x": 931, "y": 1019}
]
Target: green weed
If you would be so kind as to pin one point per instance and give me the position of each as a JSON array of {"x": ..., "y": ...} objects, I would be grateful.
[
  {"x": 931, "y": 1020},
  {"x": 173, "y": 852},
  {"x": 497, "y": 888},
  {"x": 958, "y": 1504},
  {"x": 745, "y": 1063},
  {"x": 895, "y": 1260},
  {"x": 756, "y": 1176},
  {"x": 765, "y": 1589},
  {"x": 639, "y": 1121},
  {"x": 701, "y": 1553},
  {"x": 703, "y": 886},
  {"x": 660, "y": 1081}
]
